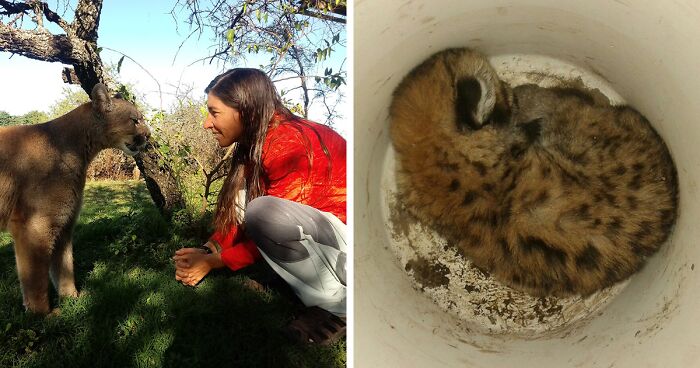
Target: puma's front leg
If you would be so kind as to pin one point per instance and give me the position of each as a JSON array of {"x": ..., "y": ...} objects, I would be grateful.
[
  {"x": 62, "y": 266},
  {"x": 33, "y": 268}
]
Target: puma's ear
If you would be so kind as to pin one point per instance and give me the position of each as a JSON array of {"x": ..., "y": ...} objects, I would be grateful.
[{"x": 101, "y": 102}]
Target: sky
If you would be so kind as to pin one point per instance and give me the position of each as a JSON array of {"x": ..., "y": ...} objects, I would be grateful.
[{"x": 146, "y": 32}]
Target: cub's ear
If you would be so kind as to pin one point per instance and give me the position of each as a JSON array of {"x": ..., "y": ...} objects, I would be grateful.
[
  {"x": 470, "y": 105},
  {"x": 101, "y": 102},
  {"x": 480, "y": 97}
]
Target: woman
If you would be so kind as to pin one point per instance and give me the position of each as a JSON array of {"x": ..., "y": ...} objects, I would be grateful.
[{"x": 289, "y": 175}]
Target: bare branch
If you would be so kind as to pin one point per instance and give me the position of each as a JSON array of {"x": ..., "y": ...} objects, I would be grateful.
[
  {"x": 37, "y": 6},
  {"x": 304, "y": 88},
  {"x": 160, "y": 90},
  {"x": 39, "y": 19},
  {"x": 14, "y": 8},
  {"x": 181, "y": 44},
  {"x": 69, "y": 76},
  {"x": 236, "y": 18},
  {"x": 322, "y": 16},
  {"x": 300, "y": 77},
  {"x": 298, "y": 35}
]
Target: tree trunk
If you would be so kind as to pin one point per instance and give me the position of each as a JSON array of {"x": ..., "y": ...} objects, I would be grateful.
[
  {"x": 78, "y": 47},
  {"x": 160, "y": 181}
]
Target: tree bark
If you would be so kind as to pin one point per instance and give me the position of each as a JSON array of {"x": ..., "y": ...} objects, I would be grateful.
[
  {"x": 160, "y": 181},
  {"x": 78, "y": 47},
  {"x": 42, "y": 45},
  {"x": 87, "y": 19}
]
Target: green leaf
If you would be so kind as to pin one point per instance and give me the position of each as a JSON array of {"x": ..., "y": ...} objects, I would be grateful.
[
  {"x": 230, "y": 34},
  {"x": 119, "y": 64}
]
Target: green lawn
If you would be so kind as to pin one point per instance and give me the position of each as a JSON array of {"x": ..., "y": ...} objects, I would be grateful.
[{"x": 132, "y": 312}]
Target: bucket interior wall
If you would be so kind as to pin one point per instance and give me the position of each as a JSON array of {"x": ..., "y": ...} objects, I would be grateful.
[{"x": 648, "y": 51}]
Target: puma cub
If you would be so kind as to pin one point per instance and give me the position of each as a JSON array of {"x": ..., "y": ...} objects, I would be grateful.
[
  {"x": 552, "y": 190},
  {"x": 42, "y": 177}
]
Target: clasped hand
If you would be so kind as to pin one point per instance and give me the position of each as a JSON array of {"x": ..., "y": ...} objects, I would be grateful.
[{"x": 191, "y": 265}]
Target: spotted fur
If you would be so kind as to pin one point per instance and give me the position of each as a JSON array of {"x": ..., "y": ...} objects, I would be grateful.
[{"x": 552, "y": 190}]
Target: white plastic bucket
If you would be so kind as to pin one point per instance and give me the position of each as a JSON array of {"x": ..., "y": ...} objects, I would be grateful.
[{"x": 649, "y": 53}]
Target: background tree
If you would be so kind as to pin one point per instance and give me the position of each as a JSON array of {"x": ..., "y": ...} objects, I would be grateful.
[
  {"x": 32, "y": 117},
  {"x": 69, "y": 101},
  {"x": 6, "y": 118},
  {"x": 296, "y": 40}
]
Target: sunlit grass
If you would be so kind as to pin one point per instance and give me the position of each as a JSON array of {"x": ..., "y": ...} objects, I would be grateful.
[{"x": 132, "y": 312}]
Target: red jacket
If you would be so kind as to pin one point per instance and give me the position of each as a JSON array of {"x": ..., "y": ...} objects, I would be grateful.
[{"x": 286, "y": 156}]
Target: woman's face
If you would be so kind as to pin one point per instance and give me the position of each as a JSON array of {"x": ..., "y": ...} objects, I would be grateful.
[{"x": 224, "y": 121}]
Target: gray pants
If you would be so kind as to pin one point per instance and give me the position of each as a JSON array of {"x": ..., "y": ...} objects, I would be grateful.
[{"x": 305, "y": 246}]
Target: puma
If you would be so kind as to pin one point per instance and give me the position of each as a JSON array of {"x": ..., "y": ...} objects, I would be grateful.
[{"x": 42, "y": 177}]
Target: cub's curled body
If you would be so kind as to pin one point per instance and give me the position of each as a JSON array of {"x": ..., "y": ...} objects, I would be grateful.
[
  {"x": 551, "y": 190},
  {"x": 42, "y": 176}
]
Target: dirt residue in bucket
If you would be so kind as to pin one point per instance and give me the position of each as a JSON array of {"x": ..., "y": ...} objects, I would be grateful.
[
  {"x": 471, "y": 294},
  {"x": 428, "y": 274}
]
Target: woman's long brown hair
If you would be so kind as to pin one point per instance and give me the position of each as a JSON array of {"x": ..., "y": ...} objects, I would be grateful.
[{"x": 252, "y": 93}]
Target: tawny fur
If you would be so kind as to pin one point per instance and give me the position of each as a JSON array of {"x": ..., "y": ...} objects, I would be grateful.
[
  {"x": 42, "y": 176},
  {"x": 555, "y": 192}
]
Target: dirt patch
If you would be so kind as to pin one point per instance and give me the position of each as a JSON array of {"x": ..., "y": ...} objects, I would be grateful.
[{"x": 428, "y": 274}]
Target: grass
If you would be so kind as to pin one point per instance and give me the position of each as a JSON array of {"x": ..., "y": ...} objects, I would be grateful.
[{"x": 132, "y": 312}]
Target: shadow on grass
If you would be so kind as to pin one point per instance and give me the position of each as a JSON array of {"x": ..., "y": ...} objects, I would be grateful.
[{"x": 132, "y": 312}]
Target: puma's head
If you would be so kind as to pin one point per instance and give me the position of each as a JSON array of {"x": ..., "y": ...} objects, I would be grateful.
[{"x": 122, "y": 123}]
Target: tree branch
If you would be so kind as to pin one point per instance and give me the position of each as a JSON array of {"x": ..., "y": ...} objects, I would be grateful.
[
  {"x": 323, "y": 5},
  {"x": 77, "y": 47},
  {"x": 87, "y": 19},
  {"x": 296, "y": 34},
  {"x": 323, "y": 8},
  {"x": 304, "y": 88},
  {"x": 14, "y": 8},
  {"x": 318, "y": 15},
  {"x": 22, "y": 8},
  {"x": 41, "y": 45}
]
